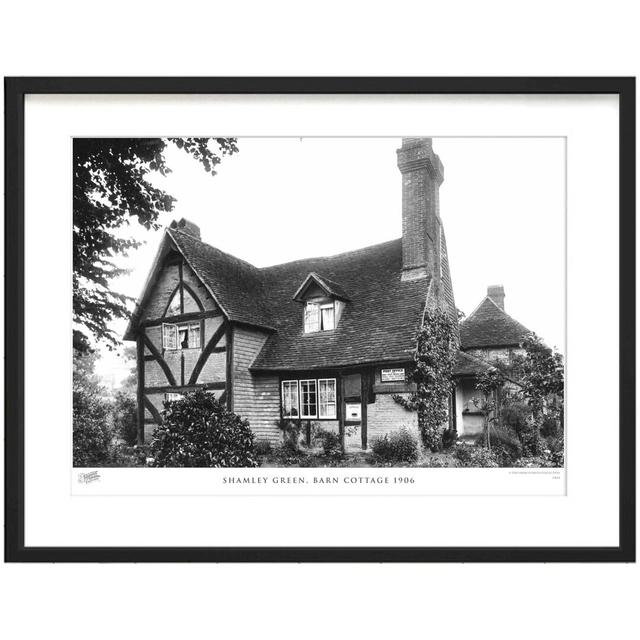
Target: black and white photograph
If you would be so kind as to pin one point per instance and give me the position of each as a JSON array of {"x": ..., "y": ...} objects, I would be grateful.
[{"x": 323, "y": 302}]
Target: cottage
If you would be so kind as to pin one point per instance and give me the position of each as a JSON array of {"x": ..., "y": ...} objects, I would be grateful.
[
  {"x": 322, "y": 340},
  {"x": 487, "y": 335}
]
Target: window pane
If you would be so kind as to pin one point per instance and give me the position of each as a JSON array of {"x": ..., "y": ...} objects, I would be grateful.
[
  {"x": 290, "y": 398},
  {"x": 328, "y": 318},
  {"x": 183, "y": 337},
  {"x": 194, "y": 336},
  {"x": 308, "y": 399},
  {"x": 169, "y": 336},
  {"x": 327, "y": 398},
  {"x": 311, "y": 317}
]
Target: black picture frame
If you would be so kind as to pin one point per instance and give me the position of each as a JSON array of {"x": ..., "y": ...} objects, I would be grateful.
[{"x": 15, "y": 91}]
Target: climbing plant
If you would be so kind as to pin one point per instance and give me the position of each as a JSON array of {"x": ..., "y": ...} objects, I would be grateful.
[
  {"x": 490, "y": 383},
  {"x": 433, "y": 361}
]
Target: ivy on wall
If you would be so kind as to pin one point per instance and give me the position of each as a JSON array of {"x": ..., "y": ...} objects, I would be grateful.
[{"x": 433, "y": 361}]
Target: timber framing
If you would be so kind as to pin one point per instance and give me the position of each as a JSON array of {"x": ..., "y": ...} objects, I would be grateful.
[
  {"x": 209, "y": 386},
  {"x": 140, "y": 389},
  {"x": 183, "y": 317},
  {"x": 228, "y": 394},
  {"x": 206, "y": 352},
  {"x": 157, "y": 418},
  {"x": 160, "y": 360}
]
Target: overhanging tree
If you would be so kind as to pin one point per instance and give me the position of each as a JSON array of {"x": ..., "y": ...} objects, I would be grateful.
[{"x": 111, "y": 189}]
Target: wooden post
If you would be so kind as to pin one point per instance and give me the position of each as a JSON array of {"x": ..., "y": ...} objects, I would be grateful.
[
  {"x": 140, "y": 390},
  {"x": 364, "y": 398},
  {"x": 229, "y": 371},
  {"x": 453, "y": 415},
  {"x": 339, "y": 396}
]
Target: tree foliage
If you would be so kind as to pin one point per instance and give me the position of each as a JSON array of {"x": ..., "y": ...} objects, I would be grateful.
[
  {"x": 433, "y": 361},
  {"x": 111, "y": 189},
  {"x": 92, "y": 433},
  {"x": 125, "y": 416},
  {"x": 541, "y": 372},
  {"x": 524, "y": 399}
]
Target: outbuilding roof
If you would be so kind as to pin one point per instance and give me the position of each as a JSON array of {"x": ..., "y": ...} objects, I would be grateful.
[{"x": 490, "y": 326}]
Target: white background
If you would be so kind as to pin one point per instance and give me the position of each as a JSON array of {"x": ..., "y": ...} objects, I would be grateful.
[{"x": 489, "y": 38}]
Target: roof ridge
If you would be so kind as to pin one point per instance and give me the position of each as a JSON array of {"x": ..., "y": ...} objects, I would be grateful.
[
  {"x": 220, "y": 251},
  {"x": 481, "y": 303},
  {"x": 351, "y": 252}
]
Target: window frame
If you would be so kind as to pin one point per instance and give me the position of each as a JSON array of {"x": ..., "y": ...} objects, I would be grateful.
[
  {"x": 299, "y": 384},
  {"x": 328, "y": 305},
  {"x": 176, "y": 336},
  {"x": 315, "y": 384},
  {"x": 308, "y": 304},
  {"x": 176, "y": 331},
  {"x": 297, "y": 397},
  {"x": 320, "y": 307},
  {"x": 335, "y": 399}
]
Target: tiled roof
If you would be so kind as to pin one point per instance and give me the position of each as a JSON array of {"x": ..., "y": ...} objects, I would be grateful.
[
  {"x": 331, "y": 288},
  {"x": 236, "y": 285},
  {"x": 468, "y": 365},
  {"x": 378, "y": 324},
  {"x": 490, "y": 326}
]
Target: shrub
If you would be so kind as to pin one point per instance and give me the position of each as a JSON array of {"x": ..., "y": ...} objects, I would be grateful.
[
  {"x": 263, "y": 447},
  {"x": 291, "y": 435},
  {"x": 124, "y": 455},
  {"x": 92, "y": 433},
  {"x": 505, "y": 445},
  {"x": 441, "y": 461},
  {"x": 546, "y": 459},
  {"x": 125, "y": 417},
  {"x": 397, "y": 446},
  {"x": 199, "y": 431},
  {"x": 330, "y": 442},
  {"x": 449, "y": 437},
  {"x": 474, "y": 456}
]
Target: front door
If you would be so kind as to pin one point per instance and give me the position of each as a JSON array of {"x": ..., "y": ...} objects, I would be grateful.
[{"x": 352, "y": 411}]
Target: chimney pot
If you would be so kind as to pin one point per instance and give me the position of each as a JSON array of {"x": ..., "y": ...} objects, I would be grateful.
[{"x": 496, "y": 293}]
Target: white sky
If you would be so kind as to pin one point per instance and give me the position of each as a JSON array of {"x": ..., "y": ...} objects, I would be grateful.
[{"x": 502, "y": 204}]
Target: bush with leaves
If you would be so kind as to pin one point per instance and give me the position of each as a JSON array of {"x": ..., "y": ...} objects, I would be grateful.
[
  {"x": 397, "y": 446},
  {"x": 329, "y": 441},
  {"x": 92, "y": 431},
  {"x": 263, "y": 447},
  {"x": 469, "y": 455},
  {"x": 291, "y": 430},
  {"x": 441, "y": 461},
  {"x": 433, "y": 361},
  {"x": 505, "y": 445},
  {"x": 125, "y": 417},
  {"x": 199, "y": 431}
]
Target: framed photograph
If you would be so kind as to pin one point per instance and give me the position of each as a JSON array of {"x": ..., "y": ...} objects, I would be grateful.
[{"x": 320, "y": 319}]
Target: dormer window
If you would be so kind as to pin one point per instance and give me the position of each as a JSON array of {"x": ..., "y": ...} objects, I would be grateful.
[
  {"x": 323, "y": 301},
  {"x": 319, "y": 316}
]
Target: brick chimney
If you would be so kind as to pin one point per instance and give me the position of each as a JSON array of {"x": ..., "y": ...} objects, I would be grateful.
[
  {"x": 496, "y": 293},
  {"x": 422, "y": 175},
  {"x": 186, "y": 226}
]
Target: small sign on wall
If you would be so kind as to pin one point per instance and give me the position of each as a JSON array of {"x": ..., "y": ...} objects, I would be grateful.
[
  {"x": 352, "y": 411},
  {"x": 392, "y": 375}
]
